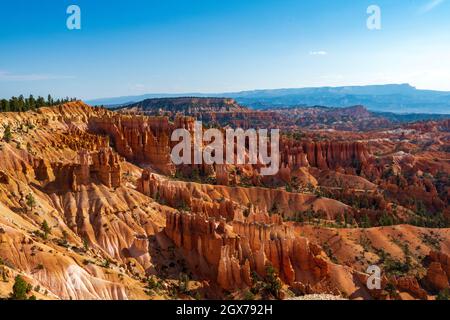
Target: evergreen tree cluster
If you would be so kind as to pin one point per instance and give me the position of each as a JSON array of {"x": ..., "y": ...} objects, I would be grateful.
[{"x": 21, "y": 104}]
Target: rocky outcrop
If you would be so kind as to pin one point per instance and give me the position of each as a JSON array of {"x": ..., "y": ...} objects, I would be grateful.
[
  {"x": 411, "y": 286},
  {"x": 184, "y": 197},
  {"x": 323, "y": 155},
  {"x": 438, "y": 271},
  {"x": 222, "y": 175},
  {"x": 234, "y": 250},
  {"x": 103, "y": 166},
  {"x": 144, "y": 140},
  {"x": 245, "y": 119},
  {"x": 77, "y": 140},
  {"x": 4, "y": 178}
]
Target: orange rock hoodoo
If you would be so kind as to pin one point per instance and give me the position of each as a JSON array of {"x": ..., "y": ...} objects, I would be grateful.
[
  {"x": 101, "y": 166},
  {"x": 324, "y": 155},
  {"x": 233, "y": 250},
  {"x": 139, "y": 139},
  {"x": 438, "y": 274}
]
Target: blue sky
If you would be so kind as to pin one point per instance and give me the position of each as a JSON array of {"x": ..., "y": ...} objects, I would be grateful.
[{"x": 173, "y": 46}]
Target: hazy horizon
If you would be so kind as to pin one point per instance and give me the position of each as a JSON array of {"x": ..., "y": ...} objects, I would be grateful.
[
  {"x": 259, "y": 89},
  {"x": 203, "y": 92}
]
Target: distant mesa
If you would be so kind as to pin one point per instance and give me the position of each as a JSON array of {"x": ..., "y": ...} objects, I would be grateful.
[{"x": 187, "y": 105}]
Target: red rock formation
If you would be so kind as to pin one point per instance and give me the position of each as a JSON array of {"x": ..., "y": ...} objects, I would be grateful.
[
  {"x": 324, "y": 155},
  {"x": 438, "y": 272},
  {"x": 234, "y": 250},
  {"x": 222, "y": 175},
  {"x": 4, "y": 179},
  {"x": 430, "y": 126},
  {"x": 101, "y": 166},
  {"x": 184, "y": 198},
  {"x": 244, "y": 119},
  {"x": 221, "y": 111},
  {"x": 77, "y": 139},
  {"x": 411, "y": 286},
  {"x": 106, "y": 166},
  {"x": 143, "y": 140}
]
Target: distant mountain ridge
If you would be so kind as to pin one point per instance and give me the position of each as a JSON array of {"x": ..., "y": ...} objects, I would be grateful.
[{"x": 395, "y": 98}]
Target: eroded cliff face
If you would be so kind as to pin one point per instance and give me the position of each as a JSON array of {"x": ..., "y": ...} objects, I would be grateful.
[
  {"x": 324, "y": 155},
  {"x": 230, "y": 202},
  {"x": 234, "y": 250},
  {"x": 188, "y": 196},
  {"x": 139, "y": 139},
  {"x": 97, "y": 241},
  {"x": 101, "y": 167},
  {"x": 58, "y": 272}
]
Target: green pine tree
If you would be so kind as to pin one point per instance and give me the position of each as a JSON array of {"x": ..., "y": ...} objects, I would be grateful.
[
  {"x": 31, "y": 201},
  {"x": 20, "y": 289},
  {"x": 46, "y": 229},
  {"x": 7, "y": 135}
]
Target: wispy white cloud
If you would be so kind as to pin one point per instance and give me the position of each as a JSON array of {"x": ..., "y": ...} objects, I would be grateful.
[
  {"x": 8, "y": 76},
  {"x": 431, "y": 5},
  {"x": 318, "y": 53}
]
